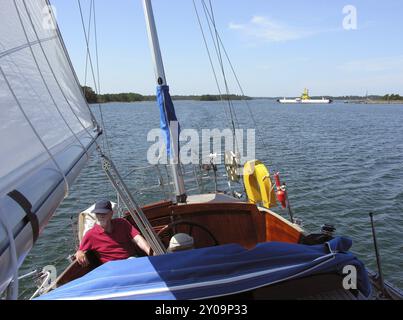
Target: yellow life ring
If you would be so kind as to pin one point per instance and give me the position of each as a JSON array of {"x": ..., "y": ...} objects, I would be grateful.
[{"x": 258, "y": 184}]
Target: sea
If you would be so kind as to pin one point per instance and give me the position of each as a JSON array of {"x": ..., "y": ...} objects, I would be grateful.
[{"x": 339, "y": 161}]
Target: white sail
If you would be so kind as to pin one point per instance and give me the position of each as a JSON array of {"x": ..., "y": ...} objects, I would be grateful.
[{"x": 46, "y": 128}]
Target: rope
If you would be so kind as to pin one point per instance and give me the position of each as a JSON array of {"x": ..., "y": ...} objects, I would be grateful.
[
  {"x": 45, "y": 281},
  {"x": 35, "y": 274}
]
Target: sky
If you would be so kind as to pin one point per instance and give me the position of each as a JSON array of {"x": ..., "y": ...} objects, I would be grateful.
[{"x": 277, "y": 48}]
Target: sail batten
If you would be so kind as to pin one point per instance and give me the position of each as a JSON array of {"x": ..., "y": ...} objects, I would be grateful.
[{"x": 47, "y": 130}]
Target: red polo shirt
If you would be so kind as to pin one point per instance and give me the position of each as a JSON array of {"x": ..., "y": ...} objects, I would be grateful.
[{"x": 117, "y": 245}]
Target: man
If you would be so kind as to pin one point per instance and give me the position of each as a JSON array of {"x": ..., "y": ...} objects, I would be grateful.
[{"x": 112, "y": 239}]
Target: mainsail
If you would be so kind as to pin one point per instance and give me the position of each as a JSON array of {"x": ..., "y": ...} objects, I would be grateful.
[{"x": 47, "y": 130}]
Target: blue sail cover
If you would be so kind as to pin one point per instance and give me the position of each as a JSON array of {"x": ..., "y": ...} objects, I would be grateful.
[
  {"x": 167, "y": 115},
  {"x": 211, "y": 272}
]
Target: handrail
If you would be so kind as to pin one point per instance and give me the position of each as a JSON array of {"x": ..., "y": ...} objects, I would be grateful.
[{"x": 197, "y": 180}]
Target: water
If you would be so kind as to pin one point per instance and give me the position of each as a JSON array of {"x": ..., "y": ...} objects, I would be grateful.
[{"x": 340, "y": 162}]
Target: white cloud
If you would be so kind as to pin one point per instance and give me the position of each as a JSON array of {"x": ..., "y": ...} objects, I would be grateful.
[{"x": 266, "y": 29}]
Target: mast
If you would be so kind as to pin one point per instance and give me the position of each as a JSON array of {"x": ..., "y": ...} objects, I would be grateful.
[{"x": 162, "y": 84}]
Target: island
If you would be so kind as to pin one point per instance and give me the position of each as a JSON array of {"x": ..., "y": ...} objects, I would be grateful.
[{"x": 92, "y": 97}]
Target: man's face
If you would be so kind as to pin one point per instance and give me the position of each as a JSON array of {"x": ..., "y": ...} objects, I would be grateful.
[{"x": 104, "y": 219}]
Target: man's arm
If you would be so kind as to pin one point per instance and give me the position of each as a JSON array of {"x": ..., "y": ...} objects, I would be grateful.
[
  {"x": 82, "y": 258},
  {"x": 143, "y": 244},
  {"x": 85, "y": 245}
]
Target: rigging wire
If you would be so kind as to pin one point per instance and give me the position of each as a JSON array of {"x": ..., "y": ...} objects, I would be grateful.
[
  {"x": 89, "y": 39},
  {"x": 211, "y": 62},
  {"x": 94, "y": 120},
  {"x": 96, "y": 46},
  {"x": 99, "y": 82},
  {"x": 96, "y": 78},
  {"x": 92, "y": 19},
  {"x": 259, "y": 135},
  {"x": 14, "y": 292},
  {"x": 210, "y": 17},
  {"x": 220, "y": 44},
  {"x": 243, "y": 94},
  {"x": 211, "y": 23},
  {"x": 105, "y": 138},
  {"x": 67, "y": 56},
  {"x": 53, "y": 74}
]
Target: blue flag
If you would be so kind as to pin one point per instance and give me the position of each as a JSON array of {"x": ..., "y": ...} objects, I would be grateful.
[{"x": 167, "y": 115}]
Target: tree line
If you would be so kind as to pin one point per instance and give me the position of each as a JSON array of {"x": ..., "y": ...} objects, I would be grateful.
[
  {"x": 92, "y": 97},
  {"x": 387, "y": 97},
  {"x": 392, "y": 97}
]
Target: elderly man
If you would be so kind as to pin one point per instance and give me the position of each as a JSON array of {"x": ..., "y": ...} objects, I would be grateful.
[{"x": 111, "y": 239}]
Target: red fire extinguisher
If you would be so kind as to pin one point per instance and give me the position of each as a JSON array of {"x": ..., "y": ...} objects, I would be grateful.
[{"x": 281, "y": 192}]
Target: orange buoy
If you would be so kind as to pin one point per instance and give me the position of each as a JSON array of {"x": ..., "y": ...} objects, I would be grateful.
[{"x": 281, "y": 191}]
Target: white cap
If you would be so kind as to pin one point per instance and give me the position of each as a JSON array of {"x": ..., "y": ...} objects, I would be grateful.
[{"x": 180, "y": 241}]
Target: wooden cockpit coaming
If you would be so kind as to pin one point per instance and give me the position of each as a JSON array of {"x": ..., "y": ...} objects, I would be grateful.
[
  {"x": 230, "y": 222},
  {"x": 237, "y": 222}
]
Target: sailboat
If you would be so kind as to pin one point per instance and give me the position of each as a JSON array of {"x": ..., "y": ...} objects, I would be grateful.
[
  {"x": 241, "y": 248},
  {"x": 305, "y": 98}
]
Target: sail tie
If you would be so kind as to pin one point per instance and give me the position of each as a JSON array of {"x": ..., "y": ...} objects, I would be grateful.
[{"x": 30, "y": 217}]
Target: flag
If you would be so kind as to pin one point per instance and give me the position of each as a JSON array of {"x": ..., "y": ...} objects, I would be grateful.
[{"x": 167, "y": 119}]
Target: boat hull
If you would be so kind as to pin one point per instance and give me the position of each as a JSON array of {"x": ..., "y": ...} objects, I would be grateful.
[
  {"x": 307, "y": 101},
  {"x": 252, "y": 227}
]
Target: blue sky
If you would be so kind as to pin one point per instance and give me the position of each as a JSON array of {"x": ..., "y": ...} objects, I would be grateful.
[{"x": 276, "y": 47}]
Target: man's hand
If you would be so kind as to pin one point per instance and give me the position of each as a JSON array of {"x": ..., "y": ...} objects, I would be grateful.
[
  {"x": 82, "y": 258},
  {"x": 151, "y": 252},
  {"x": 143, "y": 244}
]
